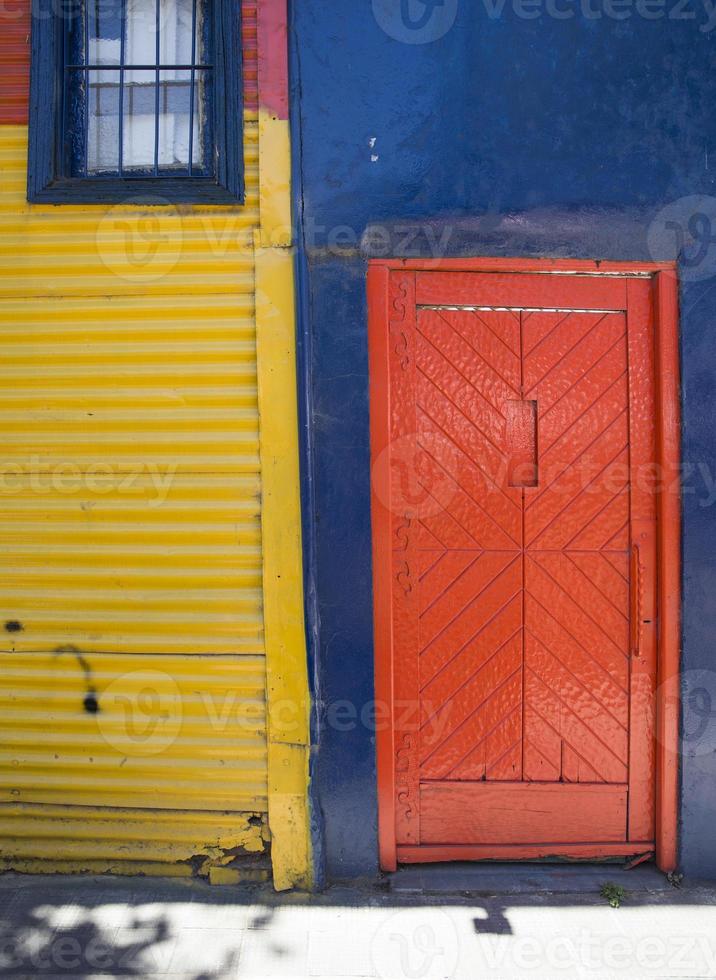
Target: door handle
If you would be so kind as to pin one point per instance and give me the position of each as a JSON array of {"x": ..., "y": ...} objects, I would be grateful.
[{"x": 636, "y": 600}]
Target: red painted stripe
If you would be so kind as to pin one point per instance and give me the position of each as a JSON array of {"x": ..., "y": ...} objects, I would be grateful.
[
  {"x": 273, "y": 57},
  {"x": 15, "y": 58},
  {"x": 249, "y": 33}
]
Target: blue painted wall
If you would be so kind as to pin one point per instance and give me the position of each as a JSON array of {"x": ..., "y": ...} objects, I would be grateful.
[{"x": 506, "y": 136}]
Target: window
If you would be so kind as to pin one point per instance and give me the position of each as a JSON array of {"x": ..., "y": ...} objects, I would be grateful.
[{"x": 136, "y": 99}]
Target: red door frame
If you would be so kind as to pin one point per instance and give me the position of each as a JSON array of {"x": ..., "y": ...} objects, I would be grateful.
[{"x": 666, "y": 354}]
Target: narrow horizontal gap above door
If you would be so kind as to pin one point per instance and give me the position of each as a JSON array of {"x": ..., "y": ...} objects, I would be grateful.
[{"x": 509, "y": 309}]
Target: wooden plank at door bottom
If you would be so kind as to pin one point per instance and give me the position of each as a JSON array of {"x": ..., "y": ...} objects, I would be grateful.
[
  {"x": 522, "y": 813},
  {"x": 522, "y": 852}
]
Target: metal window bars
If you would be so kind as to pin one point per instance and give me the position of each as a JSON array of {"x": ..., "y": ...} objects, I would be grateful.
[{"x": 118, "y": 76}]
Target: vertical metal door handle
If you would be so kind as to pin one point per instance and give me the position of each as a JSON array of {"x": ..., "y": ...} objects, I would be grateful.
[{"x": 635, "y": 601}]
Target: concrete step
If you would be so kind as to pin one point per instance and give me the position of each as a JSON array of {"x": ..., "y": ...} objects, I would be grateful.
[{"x": 518, "y": 879}]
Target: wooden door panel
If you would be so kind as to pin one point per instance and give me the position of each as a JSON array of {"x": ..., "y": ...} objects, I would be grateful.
[
  {"x": 574, "y": 399},
  {"x": 517, "y": 290},
  {"x": 561, "y": 713},
  {"x": 551, "y": 626},
  {"x": 594, "y": 481},
  {"x": 489, "y": 729},
  {"x": 478, "y": 610},
  {"x": 479, "y": 376},
  {"x": 550, "y": 593},
  {"x": 572, "y": 346},
  {"x": 464, "y": 375},
  {"x": 464, "y": 509},
  {"x": 489, "y": 346},
  {"x": 499, "y": 624},
  {"x": 509, "y": 813},
  {"x": 471, "y": 669}
]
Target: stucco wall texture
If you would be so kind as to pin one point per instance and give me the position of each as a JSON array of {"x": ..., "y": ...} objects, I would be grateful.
[{"x": 575, "y": 130}]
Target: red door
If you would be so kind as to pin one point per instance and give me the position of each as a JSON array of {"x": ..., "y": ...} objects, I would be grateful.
[{"x": 514, "y": 533}]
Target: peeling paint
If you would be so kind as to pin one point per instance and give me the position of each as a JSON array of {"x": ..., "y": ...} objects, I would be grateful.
[{"x": 69, "y": 839}]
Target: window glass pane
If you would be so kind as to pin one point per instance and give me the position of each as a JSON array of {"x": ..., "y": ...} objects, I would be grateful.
[
  {"x": 102, "y": 121},
  {"x": 176, "y": 18},
  {"x": 104, "y": 19},
  {"x": 174, "y": 90},
  {"x": 177, "y": 120},
  {"x": 175, "y": 34},
  {"x": 138, "y": 122},
  {"x": 202, "y": 150},
  {"x": 161, "y": 116}
]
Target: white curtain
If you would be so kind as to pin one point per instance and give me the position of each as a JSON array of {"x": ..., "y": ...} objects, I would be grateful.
[{"x": 139, "y": 95}]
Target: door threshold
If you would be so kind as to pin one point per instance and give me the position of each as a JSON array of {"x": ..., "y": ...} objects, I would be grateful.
[{"x": 509, "y": 878}]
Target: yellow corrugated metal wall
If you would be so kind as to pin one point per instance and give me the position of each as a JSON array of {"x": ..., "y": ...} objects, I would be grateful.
[{"x": 133, "y": 681}]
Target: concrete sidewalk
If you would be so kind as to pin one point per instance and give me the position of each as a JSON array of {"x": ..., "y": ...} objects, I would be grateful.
[{"x": 463, "y": 922}]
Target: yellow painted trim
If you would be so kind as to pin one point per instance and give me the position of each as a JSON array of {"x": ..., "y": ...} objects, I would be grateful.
[
  {"x": 285, "y": 639},
  {"x": 274, "y": 181}
]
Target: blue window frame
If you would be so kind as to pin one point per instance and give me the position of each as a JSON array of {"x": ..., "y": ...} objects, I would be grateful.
[{"x": 136, "y": 99}]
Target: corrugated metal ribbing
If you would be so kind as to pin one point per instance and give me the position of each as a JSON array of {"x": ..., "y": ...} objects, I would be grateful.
[
  {"x": 14, "y": 60},
  {"x": 118, "y": 839},
  {"x": 132, "y": 696},
  {"x": 95, "y": 556},
  {"x": 129, "y": 423},
  {"x": 116, "y": 251},
  {"x": 250, "y": 48},
  {"x": 196, "y": 741}
]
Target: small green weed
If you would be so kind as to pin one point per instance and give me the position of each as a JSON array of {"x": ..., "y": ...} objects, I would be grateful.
[{"x": 614, "y": 894}]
